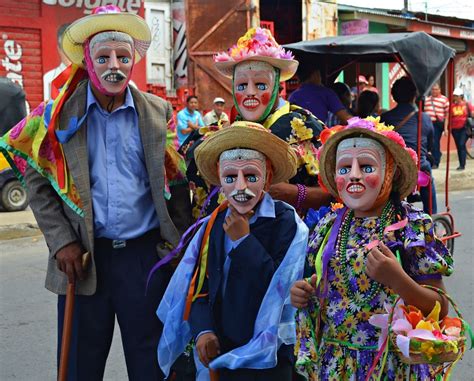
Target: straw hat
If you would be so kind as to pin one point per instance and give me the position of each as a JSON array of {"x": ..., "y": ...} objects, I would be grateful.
[
  {"x": 246, "y": 135},
  {"x": 105, "y": 18},
  {"x": 257, "y": 44},
  {"x": 405, "y": 158}
]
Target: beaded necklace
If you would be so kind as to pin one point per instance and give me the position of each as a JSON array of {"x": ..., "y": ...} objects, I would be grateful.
[{"x": 341, "y": 248}]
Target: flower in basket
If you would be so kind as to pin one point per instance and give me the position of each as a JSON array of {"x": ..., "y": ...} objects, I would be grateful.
[
  {"x": 452, "y": 326},
  {"x": 425, "y": 335},
  {"x": 412, "y": 314}
]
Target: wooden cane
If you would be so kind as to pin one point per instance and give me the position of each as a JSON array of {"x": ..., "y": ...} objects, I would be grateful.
[
  {"x": 67, "y": 330},
  {"x": 67, "y": 324}
]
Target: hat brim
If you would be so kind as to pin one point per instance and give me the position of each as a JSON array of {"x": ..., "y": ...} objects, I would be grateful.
[
  {"x": 287, "y": 67},
  {"x": 80, "y": 30},
  {"x": 280, "y": 153},
  {"x": 409, "y": 171}
]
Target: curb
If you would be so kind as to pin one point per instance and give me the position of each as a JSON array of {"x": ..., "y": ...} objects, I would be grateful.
[
  {"x": 458, "y": 180},
  {"x": 21, "y": 230}
]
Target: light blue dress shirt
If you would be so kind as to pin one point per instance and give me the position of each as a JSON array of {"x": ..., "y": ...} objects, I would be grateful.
[
  {"x": 182, "y": 118},
  {"x": 120, "y": 187}
]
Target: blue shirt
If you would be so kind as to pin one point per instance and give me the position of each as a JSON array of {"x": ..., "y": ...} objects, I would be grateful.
[
  {"x": 317, "y": 99},
  {"x": 183, "y": 117},
  {"x": 409, "y": 131},
  {"x": 120, "y": 187}
]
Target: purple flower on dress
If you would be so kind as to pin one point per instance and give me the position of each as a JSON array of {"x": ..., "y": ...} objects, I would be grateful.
[
  {"x": 339, "y": 317},
  {"x": 410, "y": 234},
  {"x": 374, "y": 302},
  {"x": 390, "y": 374},
  {"x": 422, "y": 370},
  {"x": 366, "y": 326},
  {"x": 314, "y": 216},
  {"x": 331, "y": 273},
  {"x": 334, "y": 296},
  {"x": 353, "y": 284},
  {"x": 365, "y": 359},
  {"x": 328, "y": 355}
]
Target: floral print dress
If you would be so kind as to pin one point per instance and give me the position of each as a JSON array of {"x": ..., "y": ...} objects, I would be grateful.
[{"x": 335, "y": 339}]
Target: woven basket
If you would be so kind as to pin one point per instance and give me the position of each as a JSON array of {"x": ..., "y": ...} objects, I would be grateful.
[
  {"x": 445, "y": 355},
  {"x": 444, "y": 349}
]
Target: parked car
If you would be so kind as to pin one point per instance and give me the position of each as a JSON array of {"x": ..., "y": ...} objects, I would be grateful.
[{"x": 12, "y": 194}]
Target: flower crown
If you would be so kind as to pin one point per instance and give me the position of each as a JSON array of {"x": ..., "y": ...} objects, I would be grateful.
[
  {"x": 372, "y": 124},
  {"x": 256, "y": 42}
]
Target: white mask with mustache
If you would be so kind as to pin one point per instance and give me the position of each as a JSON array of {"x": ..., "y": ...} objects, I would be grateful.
[
  {"x": 120, "y": 75},
  {"x": 245, "y": 194}
]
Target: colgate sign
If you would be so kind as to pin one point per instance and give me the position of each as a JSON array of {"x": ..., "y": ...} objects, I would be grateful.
[
  {"x": 12, "y": 60},
  {"x": 131, "y": 6}
]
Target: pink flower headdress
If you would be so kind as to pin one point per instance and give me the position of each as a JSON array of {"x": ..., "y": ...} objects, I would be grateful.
[{"x": 257, "y": 44}]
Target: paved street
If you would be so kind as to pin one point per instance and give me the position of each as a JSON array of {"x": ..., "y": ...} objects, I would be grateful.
[
  {"x": 27, "y": 310},
  {"x": 28, "y": 317}
]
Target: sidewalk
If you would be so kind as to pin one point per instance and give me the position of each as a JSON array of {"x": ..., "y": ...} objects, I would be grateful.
[
  {"x": 458, "y": 180},
  {"x": 18, "y": 225}
]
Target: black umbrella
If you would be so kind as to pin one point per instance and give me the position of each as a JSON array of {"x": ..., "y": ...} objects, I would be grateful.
[{"x": 423, "y": 56}]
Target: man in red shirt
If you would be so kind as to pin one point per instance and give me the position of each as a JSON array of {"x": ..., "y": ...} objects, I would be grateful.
[
  {"x": 459, "y": 113},
  {"x": 437, "y": 107}
]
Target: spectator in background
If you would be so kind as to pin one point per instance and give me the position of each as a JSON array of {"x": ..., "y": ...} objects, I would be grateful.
[
  {"x": 404, "y": 117},
  {"x": 357, "y": 89},
  {"x": 343, "y": 92},
  {"x": 12, "y": 104},
  {"x": 52, "y": 74},
  {"x": 459, "y": 113},
  {"x": 361, "y": 84},
  {"x": 371, "y": 85},
  {"x": 313, "y": 96},
  {"x": 217, "y": 114},
  {"x": 189, "y": 119},
  {"x": 368, "y": 104},
  {"x": 437, "y": 107}
]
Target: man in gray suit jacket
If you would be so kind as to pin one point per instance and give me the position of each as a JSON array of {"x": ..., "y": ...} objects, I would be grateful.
[{"x": 113, "y": 140}]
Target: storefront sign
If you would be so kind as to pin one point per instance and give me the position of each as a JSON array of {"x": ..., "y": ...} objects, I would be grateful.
[
  {"x": 353, "y": 27},
  {"x": 437, "y": 30},
  {"x": 12, "y": 60},
  {"x": 125, "y": 5}
]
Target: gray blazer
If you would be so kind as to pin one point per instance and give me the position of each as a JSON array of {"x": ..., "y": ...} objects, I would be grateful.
[{"x": 60, "y": 224}]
